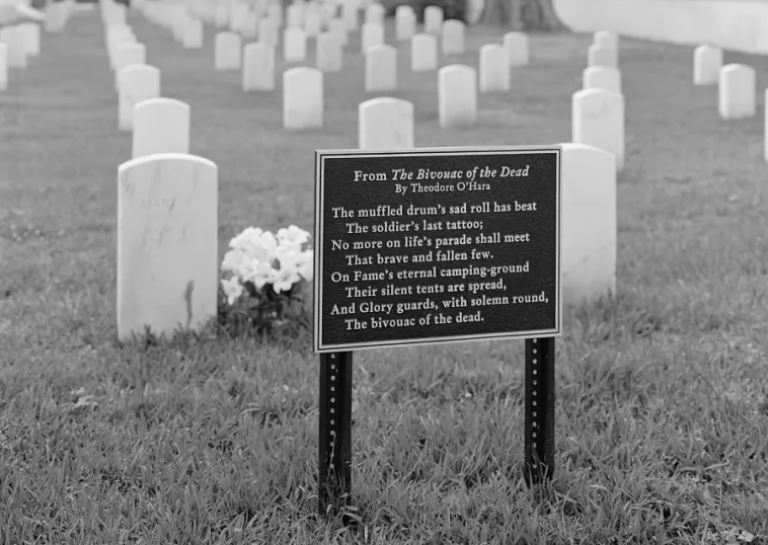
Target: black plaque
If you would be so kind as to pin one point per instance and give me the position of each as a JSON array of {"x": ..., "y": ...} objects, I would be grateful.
[{"x": 436, "y": 245}]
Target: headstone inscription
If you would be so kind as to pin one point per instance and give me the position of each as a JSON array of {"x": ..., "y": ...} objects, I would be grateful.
[
  {"x": 429, "y": 246},
  {"x": 167, "y": 236},
  {"x": 432, "y": 246}
]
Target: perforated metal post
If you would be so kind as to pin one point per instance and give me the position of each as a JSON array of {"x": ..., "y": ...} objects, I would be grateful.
[
  {"x": 539, "y": 410},
  {"x": 335, "y": 468}
]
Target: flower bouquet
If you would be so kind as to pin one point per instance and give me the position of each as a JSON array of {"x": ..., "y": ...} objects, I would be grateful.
[{"x": 265, "y": 277}]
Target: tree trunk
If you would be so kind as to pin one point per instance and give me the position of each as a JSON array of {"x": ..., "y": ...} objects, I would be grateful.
[{"x": 521, "y": 14}]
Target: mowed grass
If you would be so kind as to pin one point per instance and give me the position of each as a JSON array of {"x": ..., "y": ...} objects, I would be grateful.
[{"x": 662, "y": 392}]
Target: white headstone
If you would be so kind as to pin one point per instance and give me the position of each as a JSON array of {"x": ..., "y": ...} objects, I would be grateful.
[
  {"x": 258, "y": 67},
  {"x": 599, "y": 55},
  {"x": 517, "y": 48},
  {"x": 302, "y": 98},
  {"x": 294, "y": 15},
  {"x": 606, "y": 38},
  {"x": 494, "y": 68},
  {"x": 597, "y": 119},
  {"x": 736, "y": 97},
  {"x": 115, "y": 15},
  {"x": 127, "y": 54},
  {"x": 433, "y": 20},
  {"x": 31, "y": 37},
  {"x": 56, "y": 16},
  {"x": 160, "y": 125},
  {"x": 405, "y": 23},
  {"x": 453, "y": 32},
  {"x": 167, "y": 244},
  {"x": 221, "y": 16},
  {"x": 457, "y": 95},
  {"x": 269, "y": 31},
  {"x": 589, "y": 224},
  {"x": 137, "y": 82},
  {"x": 16, "y": 50},
  {"x": 385, "y": 123},
  {"x": 707, "y": 62},
  {"x": 328, "y": 12},
  {"x": 294, "y": 44},
  {"x": 602, "y": 77},
  {"x": 193, "y": 34},
  {"x": 249, "y": 26},
  {"x": 338, "y": 28},
  {"x": 227, "y": 51},
  {"x": 765, "y": 135},
  {"x": 275, "y": 12},
  {"x": 372, "y": 34},
  {"x": 374, "y": 13},
  {"x": 329, "y": 52},
  {"x": 3, "y": 67},
  {"x": 423, "y": 52},
  {"x": 312, "y": 21},
  {"x": 380, "y": 68},
  {"x": 350, "y": 14}
]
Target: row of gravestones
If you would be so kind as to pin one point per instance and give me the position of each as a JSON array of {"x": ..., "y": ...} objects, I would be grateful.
[
  {"x": 20, "y": 42},
  {"x": 230, "y": 54},
  {"x": 167, "y": 227},
  {"x": 303, "y": 94},
  {"x": 167, "y": 274}
]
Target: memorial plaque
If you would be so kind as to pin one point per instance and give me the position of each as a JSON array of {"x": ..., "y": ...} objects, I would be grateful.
[{"x": 436, "y": 245}]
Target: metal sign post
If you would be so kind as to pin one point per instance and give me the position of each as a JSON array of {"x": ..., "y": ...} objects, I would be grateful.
[
  {"x": 539, "y": 462},
  {"x": 335, "y": 475}
]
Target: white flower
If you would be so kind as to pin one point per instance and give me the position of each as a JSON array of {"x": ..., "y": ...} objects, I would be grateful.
[
  {"x": 232, "y": 288},
  {"x": 292, "y": 235},
  {"x": 285, "y": 278},
  {"x": 258, "y": 272},
  {"x": 243, "y": 241},
  {"x": 305, "y": 265},
  {"x": 233, "y": 260}
]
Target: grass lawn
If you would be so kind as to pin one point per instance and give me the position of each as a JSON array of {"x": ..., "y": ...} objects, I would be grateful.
[{"x": 662, "y": 393}]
